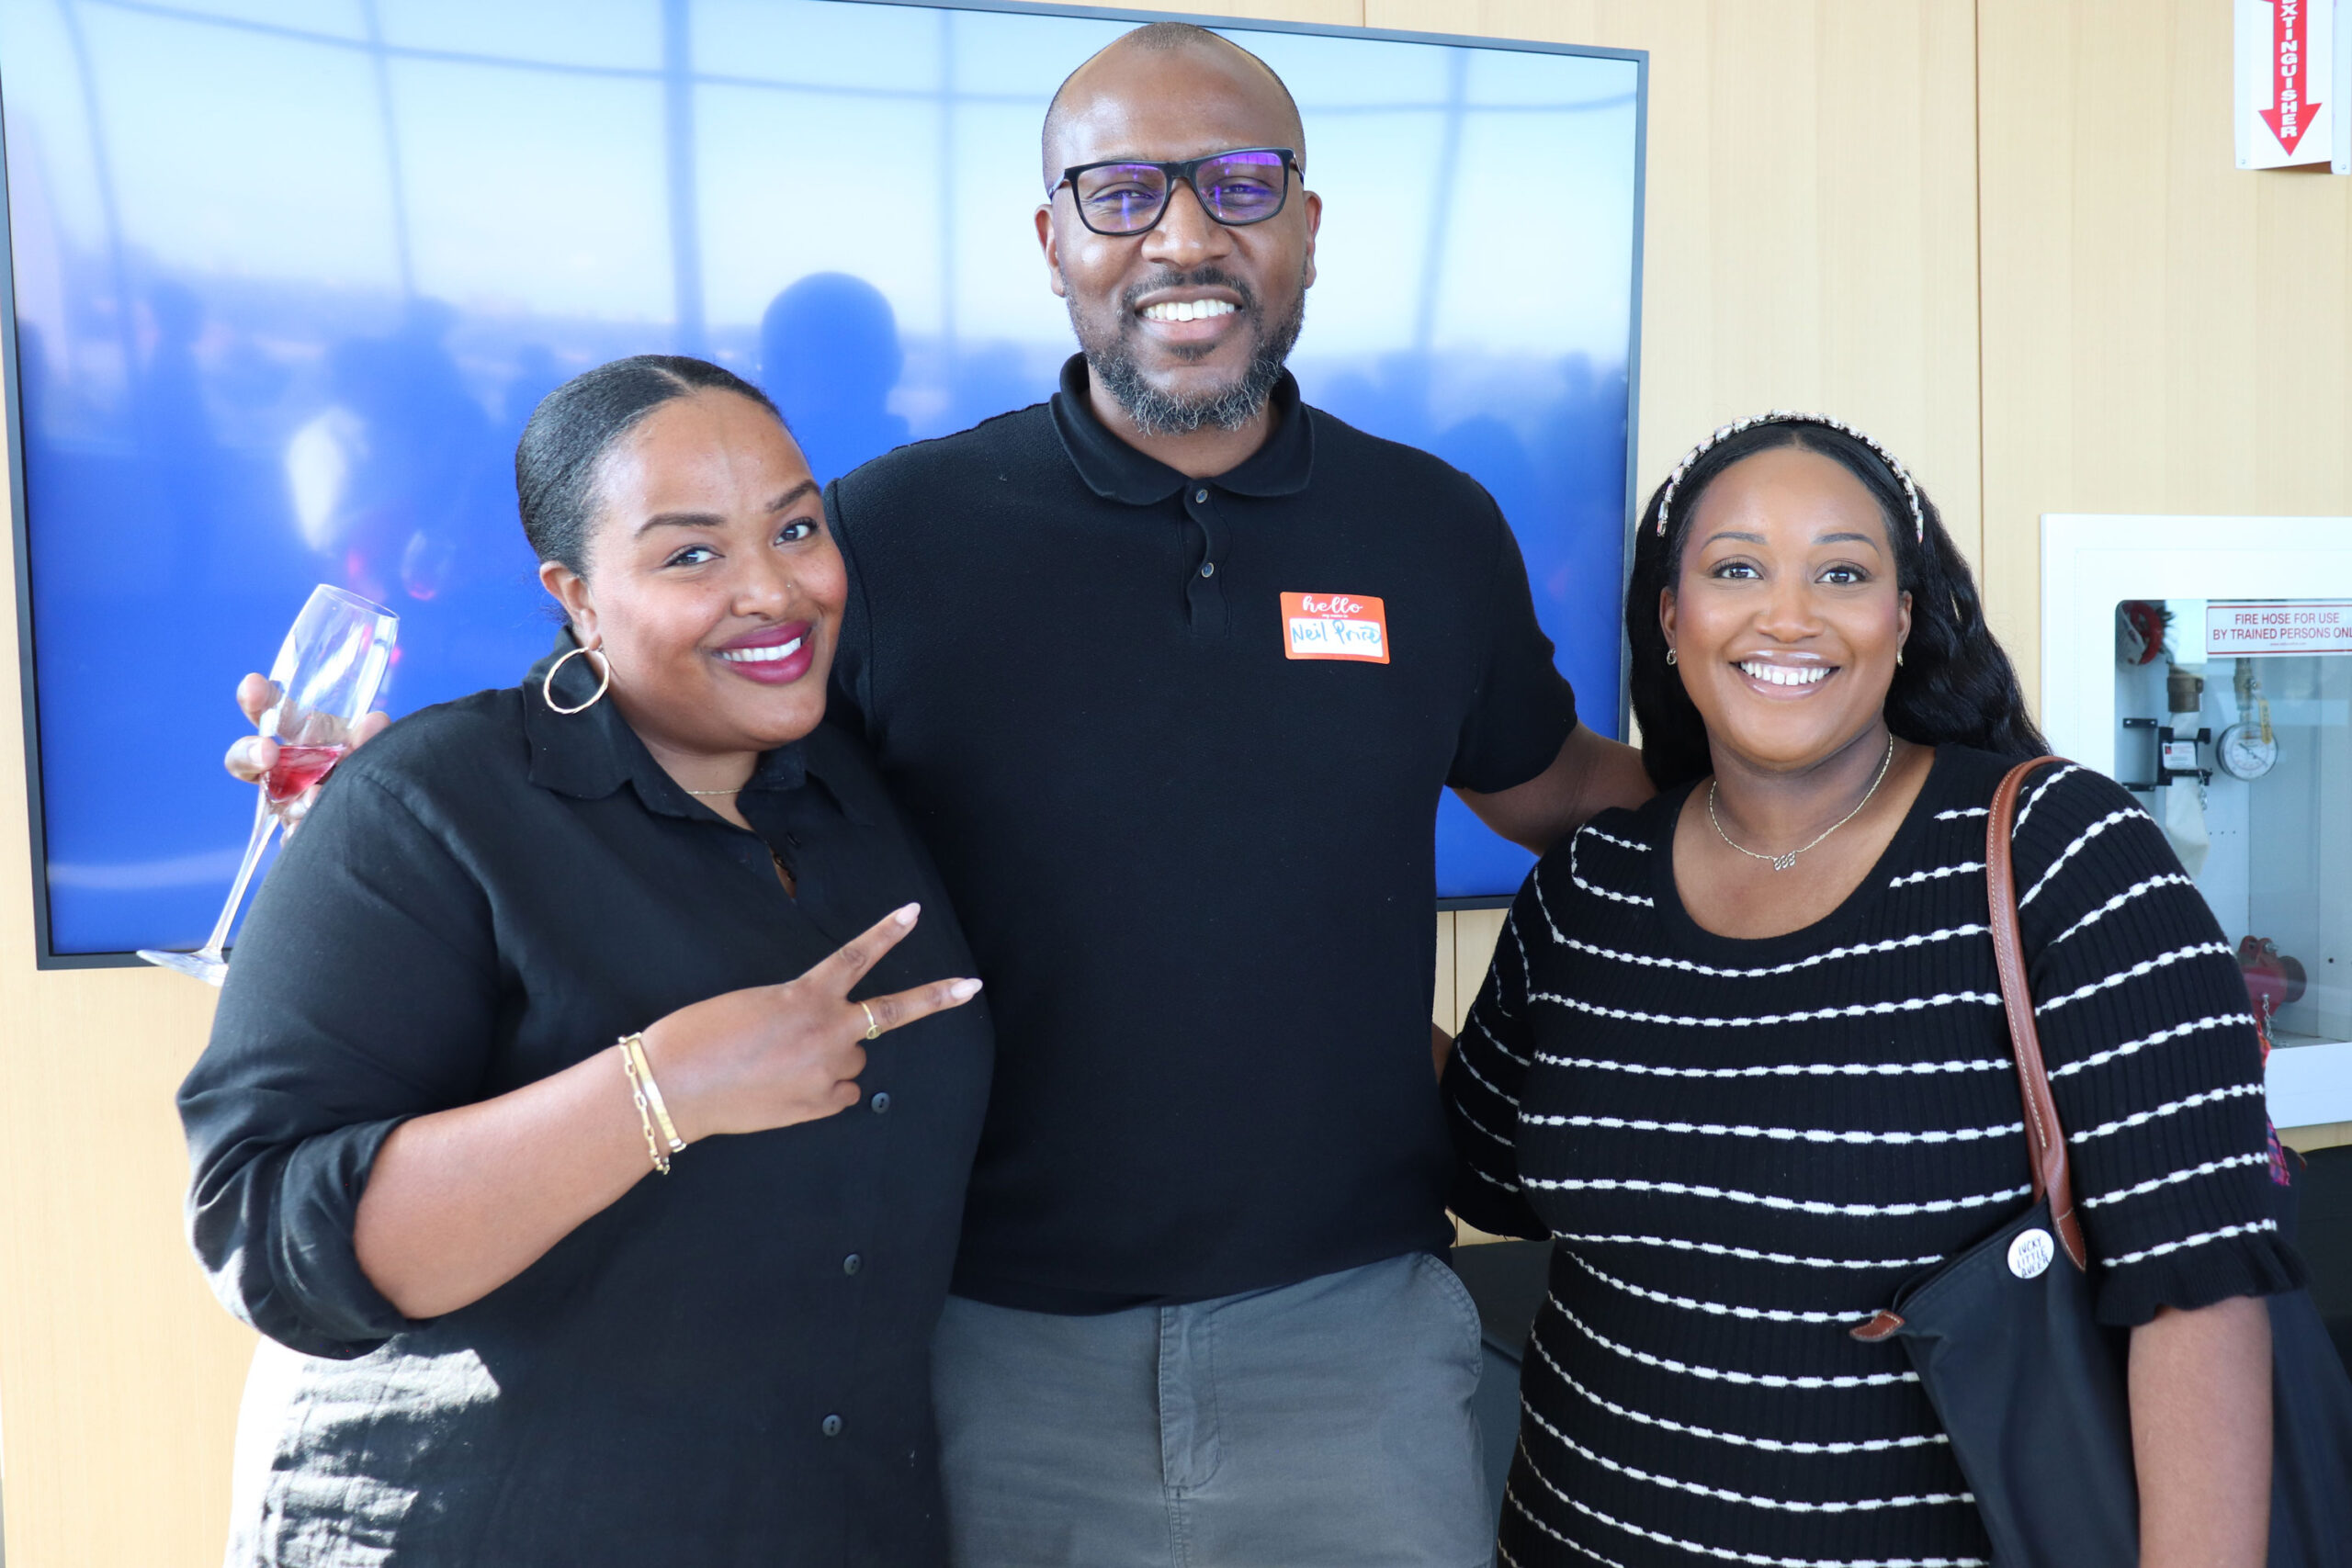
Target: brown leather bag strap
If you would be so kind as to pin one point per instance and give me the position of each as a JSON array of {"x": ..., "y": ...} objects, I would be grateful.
[{"x": 2052, "y": 1175}]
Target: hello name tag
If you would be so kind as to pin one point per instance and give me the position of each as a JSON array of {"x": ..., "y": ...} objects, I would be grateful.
[{"x": 1336, "y": 626}]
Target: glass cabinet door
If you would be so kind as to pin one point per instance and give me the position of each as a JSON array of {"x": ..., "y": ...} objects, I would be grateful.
[{"x": 2234, "y": 725}]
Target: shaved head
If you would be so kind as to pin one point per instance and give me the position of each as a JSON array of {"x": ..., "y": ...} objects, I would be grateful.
[
  {"x": 1162, "y": 54},
  {"x": 1184, "y": 324}
]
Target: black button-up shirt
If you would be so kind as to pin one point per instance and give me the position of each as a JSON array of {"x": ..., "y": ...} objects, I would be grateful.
[
  {"x": 1195, "y": 855},
  {"x": 729, "y": 1365}
]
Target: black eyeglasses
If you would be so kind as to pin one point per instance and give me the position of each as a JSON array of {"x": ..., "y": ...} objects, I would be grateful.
[{"x": 1125, "y": 197}]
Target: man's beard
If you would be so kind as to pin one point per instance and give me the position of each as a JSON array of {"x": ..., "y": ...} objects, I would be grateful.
[{"x": 1111, "y": 359}]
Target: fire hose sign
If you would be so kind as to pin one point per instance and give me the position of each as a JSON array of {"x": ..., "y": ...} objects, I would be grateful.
[{"x": 2237, "y": 628}]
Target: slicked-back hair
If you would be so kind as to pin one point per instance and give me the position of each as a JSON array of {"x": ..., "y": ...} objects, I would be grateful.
[
  {"x": 576, "y": 424},
  {"x": 1161, "y": 38},
  {"x": 1955, "y": 683}
]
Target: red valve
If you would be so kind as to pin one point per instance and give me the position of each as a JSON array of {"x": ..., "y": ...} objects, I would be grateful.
[{"x": 2273, "y": 979}]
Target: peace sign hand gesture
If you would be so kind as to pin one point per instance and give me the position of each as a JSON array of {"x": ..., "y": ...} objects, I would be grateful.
[{"x": 773, "y": 1055}]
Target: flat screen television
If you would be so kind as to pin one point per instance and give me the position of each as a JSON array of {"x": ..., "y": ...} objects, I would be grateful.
[{"x": 285, "y": 277}]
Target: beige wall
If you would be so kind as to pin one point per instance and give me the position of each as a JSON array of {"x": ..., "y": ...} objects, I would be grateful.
[
  {"x": 2005, "y": 235},
  {"x": 2162, "y": 334}
]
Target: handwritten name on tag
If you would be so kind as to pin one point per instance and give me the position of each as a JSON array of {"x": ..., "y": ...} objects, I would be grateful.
[{"x": 1336, "y": 626}]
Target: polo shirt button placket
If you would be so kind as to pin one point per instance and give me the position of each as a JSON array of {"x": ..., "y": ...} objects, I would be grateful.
[{"x": 1203, "y": 600}]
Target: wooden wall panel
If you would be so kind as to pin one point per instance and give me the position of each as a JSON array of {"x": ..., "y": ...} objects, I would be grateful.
[
  {"x": 1475, "y": 932},
  {"x": 1465, "y": 945},
  {"x": 2162, "y": 332},
  {"x": 1441, "y": 1009}
]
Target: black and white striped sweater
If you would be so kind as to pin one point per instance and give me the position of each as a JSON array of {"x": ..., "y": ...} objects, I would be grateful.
[{"x": 1741, "y": 1148}]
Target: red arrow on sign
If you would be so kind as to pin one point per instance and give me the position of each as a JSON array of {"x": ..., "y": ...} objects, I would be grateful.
[{"x": 2290, "y": 114}]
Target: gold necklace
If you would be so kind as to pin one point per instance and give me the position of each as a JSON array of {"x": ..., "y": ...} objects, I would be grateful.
[{"x": 1782, "y": 863}]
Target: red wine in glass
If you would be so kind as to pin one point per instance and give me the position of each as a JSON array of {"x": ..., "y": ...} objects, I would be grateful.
[
  {"x": 327, "y": 674},
  {"x": 299, "y": 767}
]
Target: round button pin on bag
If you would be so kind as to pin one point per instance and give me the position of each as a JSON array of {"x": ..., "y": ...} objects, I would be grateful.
[{"x": 2031, "y": 1253}]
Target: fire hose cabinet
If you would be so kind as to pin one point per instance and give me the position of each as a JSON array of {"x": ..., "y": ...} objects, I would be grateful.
[{"x": 2205, "y": 663}]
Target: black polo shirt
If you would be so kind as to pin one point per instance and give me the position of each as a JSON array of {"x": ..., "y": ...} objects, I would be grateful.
[
  {"x": 731, "y": 1364},
  {"x": 1197, "y": 872}
]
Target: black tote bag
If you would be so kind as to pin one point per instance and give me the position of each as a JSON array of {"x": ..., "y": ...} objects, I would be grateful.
[
  {"x": 2311, "y": 1406},
  {"x": 2030, "y": 1385}
]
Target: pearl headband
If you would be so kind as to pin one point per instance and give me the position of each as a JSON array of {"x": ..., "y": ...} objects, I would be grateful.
[{"x": 1784, "y": 416}]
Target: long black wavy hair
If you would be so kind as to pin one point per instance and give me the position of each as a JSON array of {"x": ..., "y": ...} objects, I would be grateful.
[{"x": 1955, "y": 683}]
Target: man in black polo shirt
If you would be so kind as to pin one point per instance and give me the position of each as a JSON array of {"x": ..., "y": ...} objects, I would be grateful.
[{"x": 1168, "y": 673}]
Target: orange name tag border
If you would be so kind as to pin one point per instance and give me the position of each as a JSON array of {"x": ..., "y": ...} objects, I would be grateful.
[{"x": 1335, "y": 607}]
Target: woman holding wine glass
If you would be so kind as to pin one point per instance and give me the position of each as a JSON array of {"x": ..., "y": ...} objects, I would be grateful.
[
  {"x": 591, "y": 1100},
  {"x": 314, "y": 709}
]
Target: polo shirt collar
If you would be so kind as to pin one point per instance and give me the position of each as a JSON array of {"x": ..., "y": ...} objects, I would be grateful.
[
  {"x": 1116, "y": 471},
  {"x": 590, "y": 754}
]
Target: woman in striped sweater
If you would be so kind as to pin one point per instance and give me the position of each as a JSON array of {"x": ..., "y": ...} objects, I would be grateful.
[{"x": 1741, "y": 1056}]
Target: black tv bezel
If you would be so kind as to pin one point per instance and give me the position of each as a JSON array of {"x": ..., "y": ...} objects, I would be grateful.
[{"x": 45, "y": 956}]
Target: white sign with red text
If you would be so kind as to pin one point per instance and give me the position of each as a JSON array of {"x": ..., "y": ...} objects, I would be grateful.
[
  {"x": 2291, "y": 84},
  {"x": 2240, "y": 628}
]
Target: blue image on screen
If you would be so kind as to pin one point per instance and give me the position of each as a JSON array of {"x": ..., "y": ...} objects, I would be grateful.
[{"x": 289, "y": 275}]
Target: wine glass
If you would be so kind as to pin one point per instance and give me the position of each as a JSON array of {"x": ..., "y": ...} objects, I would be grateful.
[{"x": 327, "y": 674}]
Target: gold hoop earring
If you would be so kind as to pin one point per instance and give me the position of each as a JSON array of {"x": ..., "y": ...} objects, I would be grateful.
[
  {"x": 1669, "y": 656},
  {"x": 547, "y": 687}
]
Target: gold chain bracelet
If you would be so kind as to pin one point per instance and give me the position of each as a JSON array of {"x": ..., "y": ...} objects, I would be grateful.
[
  {"x": 647, "y": 1094},
  {"x": 636, "y": 1044}
]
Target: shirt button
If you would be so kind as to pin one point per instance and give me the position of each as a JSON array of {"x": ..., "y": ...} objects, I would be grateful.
[
  {"x": 1200, "y": 496},
  {"x": 881, "y": 1100},
  {"x": 852, "y": 1263},
  {"x": 831, "y": 1426},
  {"x": 1208, "y": 569}
]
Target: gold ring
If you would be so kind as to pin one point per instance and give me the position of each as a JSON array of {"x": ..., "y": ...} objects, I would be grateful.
[{"x": 872, "y": 1029}]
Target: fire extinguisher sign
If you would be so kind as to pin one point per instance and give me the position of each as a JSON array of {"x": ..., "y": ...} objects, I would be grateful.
[{"x": 2290, "y": 84}]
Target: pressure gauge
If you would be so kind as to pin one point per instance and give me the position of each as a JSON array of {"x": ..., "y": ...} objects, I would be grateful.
[{"x": 2244, "y": 753}]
